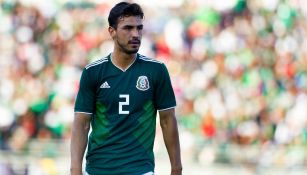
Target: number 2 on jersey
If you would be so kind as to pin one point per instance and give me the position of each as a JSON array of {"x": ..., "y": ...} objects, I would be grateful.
[{"x": 121, "y": 103}]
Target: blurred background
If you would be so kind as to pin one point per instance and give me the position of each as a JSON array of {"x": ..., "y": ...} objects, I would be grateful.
[{"x": 238, "y": 67}]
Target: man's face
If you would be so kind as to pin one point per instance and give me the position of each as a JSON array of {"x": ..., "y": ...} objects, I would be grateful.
[{"x": 128, "y": 34}]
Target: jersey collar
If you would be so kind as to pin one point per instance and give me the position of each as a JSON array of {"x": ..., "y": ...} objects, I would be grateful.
[{"x": 123, "y": 70}]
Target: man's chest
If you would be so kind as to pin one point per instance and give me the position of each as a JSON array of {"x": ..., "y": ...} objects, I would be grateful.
[{"x": 125, "y": 92}]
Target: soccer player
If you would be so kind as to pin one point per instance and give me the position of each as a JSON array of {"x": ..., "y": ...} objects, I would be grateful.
[{"x": 119, "y": 97}]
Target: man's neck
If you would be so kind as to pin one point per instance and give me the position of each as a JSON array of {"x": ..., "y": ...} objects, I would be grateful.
[{"x": 122, "y": 60}]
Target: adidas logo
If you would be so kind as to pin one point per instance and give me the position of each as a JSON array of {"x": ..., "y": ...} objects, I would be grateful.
[{"x": 105, "y": 85}]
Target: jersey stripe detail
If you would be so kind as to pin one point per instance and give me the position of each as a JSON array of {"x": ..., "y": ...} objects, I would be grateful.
[
  {"x": 96, "y": 63},
  {"x": 166, "y": 108},
  {"x": 148, "y": 59},
  {"x": 99, "y": 60},
  {"x": 83, "y": 112}
]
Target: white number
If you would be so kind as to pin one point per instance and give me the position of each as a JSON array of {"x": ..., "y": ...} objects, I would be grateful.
[{"x": 120, "y": 105}]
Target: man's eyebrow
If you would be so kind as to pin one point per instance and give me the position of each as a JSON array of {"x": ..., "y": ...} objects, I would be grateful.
[{"x": 141, "y": 25}]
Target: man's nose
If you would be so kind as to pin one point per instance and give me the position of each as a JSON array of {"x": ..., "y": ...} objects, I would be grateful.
[{"x": 136, "y": 33}]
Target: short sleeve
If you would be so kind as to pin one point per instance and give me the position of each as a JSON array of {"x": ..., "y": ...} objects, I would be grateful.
[
  {"x": 164, "y": 94},
  {"x": 85, "y": 101}
]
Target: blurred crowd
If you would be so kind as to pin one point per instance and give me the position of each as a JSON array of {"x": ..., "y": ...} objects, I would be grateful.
[{"x": 238, "y": 67}]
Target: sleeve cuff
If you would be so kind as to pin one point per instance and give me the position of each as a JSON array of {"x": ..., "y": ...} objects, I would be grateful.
[
  {"x": 84, "y": 112},
  {"x": 164, "y": 109}
]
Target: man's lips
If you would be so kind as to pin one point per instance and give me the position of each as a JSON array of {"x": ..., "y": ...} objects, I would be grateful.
[{"x": 134, "y": 42}]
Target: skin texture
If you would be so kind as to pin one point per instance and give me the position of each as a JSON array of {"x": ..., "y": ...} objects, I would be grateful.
[
  {"x": 169, "y": 127},
  {"x": 80, "y": 129},
  {"x": 127, "y": 39}
]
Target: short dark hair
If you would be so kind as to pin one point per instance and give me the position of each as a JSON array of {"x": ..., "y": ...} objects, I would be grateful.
[{"x": 124, "y": 9}]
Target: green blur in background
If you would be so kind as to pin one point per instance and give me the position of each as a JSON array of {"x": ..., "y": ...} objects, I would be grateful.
[{"x": 238, "y": 68}]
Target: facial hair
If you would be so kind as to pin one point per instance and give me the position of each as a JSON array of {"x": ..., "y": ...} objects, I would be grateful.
[{"x": 126, "y": 50}]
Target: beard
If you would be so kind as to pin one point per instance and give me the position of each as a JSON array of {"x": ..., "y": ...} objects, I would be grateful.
[{"x": 125, "y": 49}]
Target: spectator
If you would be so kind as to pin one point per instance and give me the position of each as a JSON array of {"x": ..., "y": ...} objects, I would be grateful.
[{"x": 238, "y": 69}]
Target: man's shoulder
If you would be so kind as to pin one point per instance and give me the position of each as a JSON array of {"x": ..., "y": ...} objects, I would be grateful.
[
  {"x": 97, "y": 63},
  {"x": 148, "y": 60}
]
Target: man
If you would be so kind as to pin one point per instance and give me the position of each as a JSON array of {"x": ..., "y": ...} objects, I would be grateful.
[{"x": 119, "y": 97}]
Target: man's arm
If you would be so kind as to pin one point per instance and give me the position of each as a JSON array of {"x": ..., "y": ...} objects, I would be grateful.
[
  {"x": 169, "y": 127},
  {"x": 80, "y": 129}
]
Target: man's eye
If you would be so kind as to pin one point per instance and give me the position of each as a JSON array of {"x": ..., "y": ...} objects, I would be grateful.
[{"x": 128, "y": 28}]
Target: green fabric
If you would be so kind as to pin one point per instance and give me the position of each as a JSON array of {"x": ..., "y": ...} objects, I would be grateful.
[
  {"x": 240, "y": 6},
  {"x": 39, "y": 106},
  {"x": 124, "y": 105},
  {"x": 207, "y": 16}
]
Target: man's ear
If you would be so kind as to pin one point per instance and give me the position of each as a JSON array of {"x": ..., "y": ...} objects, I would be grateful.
[{"x": 112, "y": 31}]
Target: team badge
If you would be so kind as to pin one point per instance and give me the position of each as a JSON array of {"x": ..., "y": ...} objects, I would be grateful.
[{"x": 142, "y": 83}]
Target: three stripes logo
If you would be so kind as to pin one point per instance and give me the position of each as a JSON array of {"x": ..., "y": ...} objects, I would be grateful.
[{"x": 105, "y": 85}]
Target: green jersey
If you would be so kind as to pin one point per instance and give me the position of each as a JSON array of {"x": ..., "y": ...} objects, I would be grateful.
[{"x": 123, "y": 105}]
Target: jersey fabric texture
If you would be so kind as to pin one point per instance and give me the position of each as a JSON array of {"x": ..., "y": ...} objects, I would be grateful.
[{"x": 123, "y": 105}]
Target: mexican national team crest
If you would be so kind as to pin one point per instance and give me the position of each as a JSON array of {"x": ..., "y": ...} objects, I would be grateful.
[{"x": 142, "y": 83}]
